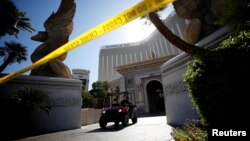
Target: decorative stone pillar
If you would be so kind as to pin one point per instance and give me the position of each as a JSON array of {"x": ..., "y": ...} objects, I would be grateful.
[
  {"x": 64, "y": 96},
  {"x": 177, "y": 101}
]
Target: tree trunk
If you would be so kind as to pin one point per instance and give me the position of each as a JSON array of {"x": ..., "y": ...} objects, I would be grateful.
[
  {"x": 6, "y": 63},
  {"x": 175, "y": 40}
]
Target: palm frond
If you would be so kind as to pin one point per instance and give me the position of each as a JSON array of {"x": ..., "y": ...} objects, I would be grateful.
[
  {"x": 16, "y": 51},
  {"x": 23, "y": 23},
  {"x": 31, "y": 98},
  {"x": 2, "y": 51},
  {"x": 25, "y": 27}
]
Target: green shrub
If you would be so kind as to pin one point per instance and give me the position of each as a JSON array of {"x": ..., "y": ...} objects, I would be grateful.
[
  {"x": 234, "y": 14},
  {"x": 87, "y": 100},
  {"x": 28, "y": 99},
  {"x": 219, "y": 80},
  {"x": 99, "y": 89},
  {"x": 190, "y": 131},
  {"x": 18, "y": 114}
]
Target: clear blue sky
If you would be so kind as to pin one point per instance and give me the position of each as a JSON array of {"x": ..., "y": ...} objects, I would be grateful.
[{"x": 89, "y": 13}]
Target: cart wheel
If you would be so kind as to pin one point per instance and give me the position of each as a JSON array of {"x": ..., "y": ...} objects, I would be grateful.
[
  {"x": 134, "y": 119},
  {"x": 102, "y": 122},
  {"x": 125, "y": 121}
]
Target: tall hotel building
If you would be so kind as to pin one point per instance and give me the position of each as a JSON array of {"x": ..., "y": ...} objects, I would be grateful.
[{"x": 154, "y": 46}]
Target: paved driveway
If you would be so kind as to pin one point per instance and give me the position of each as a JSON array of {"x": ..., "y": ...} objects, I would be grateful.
[{"x": 147, "y": 129}]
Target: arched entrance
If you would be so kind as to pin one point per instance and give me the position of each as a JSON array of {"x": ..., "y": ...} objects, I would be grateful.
[{"x": 155, "y": 96}]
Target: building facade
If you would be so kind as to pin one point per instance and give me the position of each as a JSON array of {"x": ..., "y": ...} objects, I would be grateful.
[
  {"x": 143, "y": 80},
  {"x": 83, "y": 75},
  {"x": 137, "y": 66},
  {"x": 154, "y": 46}
]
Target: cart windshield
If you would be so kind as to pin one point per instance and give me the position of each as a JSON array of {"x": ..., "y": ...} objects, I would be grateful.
[{"x": 114, "y": 99}]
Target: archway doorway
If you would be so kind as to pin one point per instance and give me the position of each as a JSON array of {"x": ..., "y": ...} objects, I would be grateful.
[{"x": 155, "y": 96}]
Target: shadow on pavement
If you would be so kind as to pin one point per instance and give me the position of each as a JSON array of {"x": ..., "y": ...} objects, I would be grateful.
[
  {"x": 110, "y": 128},
  {"x": 152, "y": 114}
]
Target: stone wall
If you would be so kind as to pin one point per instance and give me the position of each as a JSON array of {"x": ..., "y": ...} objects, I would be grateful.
[
  {"x": 90, "y": 116},
  {"x": 64, "y": 97},
  {"x": 177, "y": 101}
]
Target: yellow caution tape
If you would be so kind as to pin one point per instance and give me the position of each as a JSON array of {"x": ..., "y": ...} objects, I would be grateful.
[{"x": 124, "y": 17}]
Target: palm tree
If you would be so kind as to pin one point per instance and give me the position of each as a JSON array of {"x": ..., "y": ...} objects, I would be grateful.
[
  {"x": 12, "y": 19},
  {"x": 190, "y": 49},
  {"x": 12, "y": 52},
  {"x": 231, "y": 11},
  {"x": 23, "y": 22}
]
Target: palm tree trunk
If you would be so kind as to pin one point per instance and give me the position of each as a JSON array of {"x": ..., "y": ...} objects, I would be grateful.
[
  {"x": 175, "y": 40},
  {"x": 5, "y": 63}
]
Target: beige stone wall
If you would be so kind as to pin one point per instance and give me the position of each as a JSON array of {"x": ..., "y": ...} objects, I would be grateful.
[
  {"x": 90, "y": 116},
  {"x": 64, "y": 97},
  {"x": 177, "y": 101}
]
